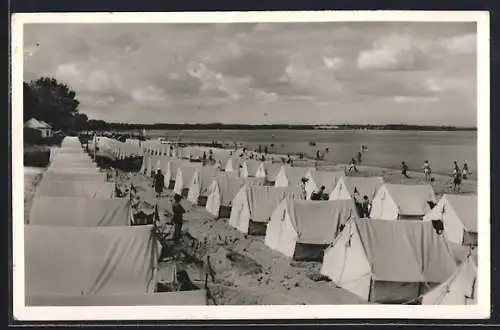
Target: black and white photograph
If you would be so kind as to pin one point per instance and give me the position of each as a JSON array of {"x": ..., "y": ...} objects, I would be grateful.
[{"x": 179, "y": 165}]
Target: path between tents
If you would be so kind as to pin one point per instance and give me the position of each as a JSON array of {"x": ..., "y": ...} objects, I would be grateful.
[{"x": 246, "y": 271}]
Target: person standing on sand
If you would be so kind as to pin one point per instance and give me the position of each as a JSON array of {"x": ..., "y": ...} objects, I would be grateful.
[
  {"x": 178, "y": 217},
  {"x": 427, "y": 170},
  {"x": 404, "y": 169},
  {"x": 159, "y": 183},
  {"x": 456, "y": 168},
  {"x": 457, "y": 181},
  {"x": 302, "y": 187},
  {"x": 465, "y": 171},
  {"x": 359, "y": 157}
]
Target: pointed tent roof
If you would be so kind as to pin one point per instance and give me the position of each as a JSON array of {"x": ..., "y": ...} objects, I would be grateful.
[
  {"x": 326, "y": 178},
  {"x": 230, "y": 185},
  {"x": 459, "y": 289},
  {"x": 363, "y": 185},
  {"x": 466, "y": 208},
  {"x": 262, "y": 200},
  {"x": 411, "y": 199},
  {"x": 272, "y": 169},
  {"x": 318, "y": 222},
  {"x": 295, "y": 174},
  {"x": 408, "y": 251}
]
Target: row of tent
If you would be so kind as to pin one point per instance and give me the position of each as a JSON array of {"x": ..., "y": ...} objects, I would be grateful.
[
  {"x": 80, "y": 246},
  {"x": 396, "y": 261},
  {"x": 388, "y": 201}
]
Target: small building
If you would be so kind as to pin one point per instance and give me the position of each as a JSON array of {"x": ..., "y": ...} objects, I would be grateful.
[{"x": 41, "y": 126}]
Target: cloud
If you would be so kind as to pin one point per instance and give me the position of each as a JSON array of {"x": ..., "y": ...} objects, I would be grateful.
[
  {"x": 414, "y": 99},
  {"x": 462, "y": 44},
  {"x": 392, "y": 52},
  {"x": 339, "y": 72},
  {"x": 148, "y": 94}
]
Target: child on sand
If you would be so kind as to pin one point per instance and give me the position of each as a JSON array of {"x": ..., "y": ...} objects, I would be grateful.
[
  {"x": 465, "y": 171},
  {"x": 457, "y": 181},
  {"x": 427, "y": 170},
  {"x": 404, "y": 169}
]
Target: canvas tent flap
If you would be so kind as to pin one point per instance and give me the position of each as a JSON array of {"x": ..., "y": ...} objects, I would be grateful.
[
  {"x": 229, "y": 186},
  {"x": 72, "y": 188},
  {"x": 206, "y": 176},
  {"x": 68, "y": 211},
  {"x": 262, "y": 200},
  {"x": 76, "y": 261},
  {"x": 459, "y": 289},
  {"x": 319, "y": 222},
  {"x": 408, "y": 251},
  {"x": 272, "y": 170},
  {"x": 57, "y": 176},
  {"x": 177, "y": 298},
  {"x": 465, "y": 206},
  {"x": 412, "y": 199},
  {"x": 325, "y": 178},
  {"x": 363, "y": 185}
]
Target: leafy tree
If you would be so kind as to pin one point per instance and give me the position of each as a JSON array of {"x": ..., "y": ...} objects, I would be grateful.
[{"x": 51, "y": 101}]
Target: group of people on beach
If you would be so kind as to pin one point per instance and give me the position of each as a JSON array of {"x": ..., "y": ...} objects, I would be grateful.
[{"x": 458, "y": 174}]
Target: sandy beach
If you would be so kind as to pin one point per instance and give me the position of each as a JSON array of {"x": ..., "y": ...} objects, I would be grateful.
[{"x": 243, "y": 270}]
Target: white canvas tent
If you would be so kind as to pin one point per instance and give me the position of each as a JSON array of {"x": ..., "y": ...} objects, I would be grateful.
[
  {"x": 253, "y": 207},
  {"x": 348, "y": 187},
  {"x": 269, "y": 170},
  {"x": 62, "y": 176},
  {"x": 232, "y": 165},
  {"x": 73, "y": 188},
  {"x": 222, "y": 191},
  {"x": 184, "y": 176},
  {"x": 302, "y": 229},
  {"x": 170, "y": 173},
  {"x": 80, "y": 212},
  {"x": 459, "y": 289},
  {"x": 389, "y": 261},
  {"x": 252, "y": 168},
  {"x": 316, "y": 179},
  {"x": 459, "y": 216},
  {"x": 402, "y": 202},
  {"x": 291, "y": 176},
  {"x": 200, "y": 182},
  {"x": 176, "y": 298},
  {"x": 89, "y": 261}
]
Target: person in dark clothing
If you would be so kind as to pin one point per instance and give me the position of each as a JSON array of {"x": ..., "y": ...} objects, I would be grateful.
[
  {"x": 365, "y": 207},
  {"x": 359, "y": 157},
  {"x": 404, "y": 169},
  {"x": 320, "y": 195},
  {"x": 178, "y": 217},
  {"x": 159, "y": 183}
]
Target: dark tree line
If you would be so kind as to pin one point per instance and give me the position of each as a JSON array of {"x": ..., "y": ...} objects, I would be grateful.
[{"x": 53, "y": 102}]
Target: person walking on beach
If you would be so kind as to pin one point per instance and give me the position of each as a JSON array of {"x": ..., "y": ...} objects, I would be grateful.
[
  {"x": 178, "y": 217},
  {"x": 427, "y": 170},
  {"x": 352, "y": 166},
  {"x": 359, "y": 157},
  {"x": 457, "y": 181},
  {"x": 465, "y": 171},
  {"x": 456, "y": 168},
  {"x": 159, "y": 183},
  {"x": 404, "y": 169}
]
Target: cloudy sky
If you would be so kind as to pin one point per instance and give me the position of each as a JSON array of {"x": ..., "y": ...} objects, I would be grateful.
[{"x": 320, "y": 73}]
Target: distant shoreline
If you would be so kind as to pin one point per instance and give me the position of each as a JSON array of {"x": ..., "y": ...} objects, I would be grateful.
[{"x": 100, "y": 125}]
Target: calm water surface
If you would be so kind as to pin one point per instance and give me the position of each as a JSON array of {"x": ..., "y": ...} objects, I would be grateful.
[{"x": 385, "y": 148}]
